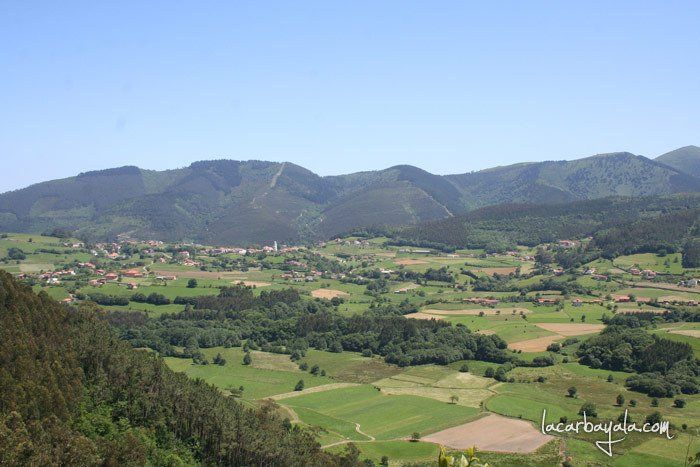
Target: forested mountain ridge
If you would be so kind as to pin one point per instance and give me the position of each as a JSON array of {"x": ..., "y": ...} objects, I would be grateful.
[
  {"x": 615, "y": 174},
  {"x": 71, "y": 393},
  {"x": 686, "y": 159},
  {"x": 618, "y": 225},
  {"x": 231, "y": 202}
]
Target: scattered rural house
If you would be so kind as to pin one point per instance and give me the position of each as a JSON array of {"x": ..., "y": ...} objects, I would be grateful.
[
  {"x": 132, "y": 286},
  {"x": 132, "y": 273},
  {"x": 635, "y": 271},
  {"x": 589, "y": 271},
  {"x": 567, "y": 243},
  {"x": 689, "y": 283},
  {"x": 621, "y": 298},
  {"x": 577, "y": 302},
  {"x": 600, "y": 277},
  {"x": 111, "y": 276},
  {"x": 547, "y": 300},
  {"x": 649, "y": 274}
]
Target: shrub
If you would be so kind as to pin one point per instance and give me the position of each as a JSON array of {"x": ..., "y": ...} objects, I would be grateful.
[
  {"x": 679, "y": 403},
  {"x": 589, "y": 409}
]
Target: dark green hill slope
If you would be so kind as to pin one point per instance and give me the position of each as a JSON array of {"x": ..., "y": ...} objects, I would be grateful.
[
  {"x": 686, "y": 160},
  {"x": 71, "y": 393},
  {"x": 248, "y": 202},
  {"x": 615, "y": 174},
  {"x": 618, "y": 225}
]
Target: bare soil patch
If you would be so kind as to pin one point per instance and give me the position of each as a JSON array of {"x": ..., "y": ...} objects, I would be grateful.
[
  {"x": 687, "y": 332},
  {"x": 535, "y": 345},
  {"x": 478, "y": 311},
  {"x": 253, "y": 283},
  {"x": 409, "y": 261},
  {"x": 571, "y": 329},
  {"x": 327, "y": 293},
  {"x": 486, "y": 332},
  {"x": 421, "y": 315},
  {"x": 492, "y": 433}
]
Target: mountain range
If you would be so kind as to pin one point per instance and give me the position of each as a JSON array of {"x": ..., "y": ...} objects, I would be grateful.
[{"x": 243, "y": 202}]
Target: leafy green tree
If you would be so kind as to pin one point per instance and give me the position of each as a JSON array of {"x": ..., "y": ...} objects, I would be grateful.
[
  {"x": 192, "y": 283},
  {"x": 299, "y": 386},
  {"x": 572, "y": 391},
  {"x": 247, "y": 359},
  {"x": 589, "y": 409},
  {"x": 16, "y": 253}
]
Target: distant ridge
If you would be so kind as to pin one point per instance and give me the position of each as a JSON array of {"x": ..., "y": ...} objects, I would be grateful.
[{"x": 232, "y": 202}]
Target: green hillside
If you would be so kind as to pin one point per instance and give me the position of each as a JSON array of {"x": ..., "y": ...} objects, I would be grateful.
[
  {"x": 72, "y": 393},
  {"x": 616, "y": 174},
  {"x": 244, "y": 202},
  {"x": 686, "y": 160}
]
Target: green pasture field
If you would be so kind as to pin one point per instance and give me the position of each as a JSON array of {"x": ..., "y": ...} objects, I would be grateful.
[
  {"x": 350, "y": 366},
  {"x": 384, "y": 417},
  {"x": 652, "y": 261},
  {"x": 658, "y": 293},
  {"x": 268, "y": 374},
  {"x": 511, "y": 328}
]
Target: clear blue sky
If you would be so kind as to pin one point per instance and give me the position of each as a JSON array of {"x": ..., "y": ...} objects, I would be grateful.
[{"x": 341, "y": 86}]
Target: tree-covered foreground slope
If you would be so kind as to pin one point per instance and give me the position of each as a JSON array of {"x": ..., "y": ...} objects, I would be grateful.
[{"x": 73, "y": 394}]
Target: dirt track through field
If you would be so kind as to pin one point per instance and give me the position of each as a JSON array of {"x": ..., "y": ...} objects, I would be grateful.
[
  {"x": 322, "y": 388},
  {"x": 492, "y": 433},
  {"x": 571, "y": 329}
]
